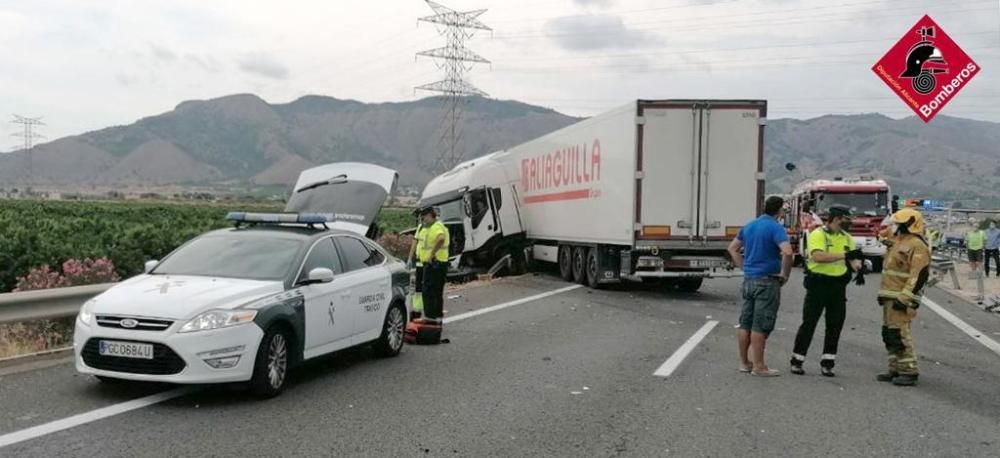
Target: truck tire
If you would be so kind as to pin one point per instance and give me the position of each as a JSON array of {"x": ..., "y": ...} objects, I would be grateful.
[
  {"x": 594, "y": 269},
  {"x": 690, "y": 285},
  {"x": 566, "y": 262},
  {"x": 580, "y": 265},
  {"x": 518, "y": 262}
]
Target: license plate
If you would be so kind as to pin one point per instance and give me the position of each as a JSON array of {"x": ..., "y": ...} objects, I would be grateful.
[
  {"x": 125, "y": 349},
  {"x": 707, "y": 263}
]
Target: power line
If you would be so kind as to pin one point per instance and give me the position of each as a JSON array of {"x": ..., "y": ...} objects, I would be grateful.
[
  {"x": 757, "y": 21},
  {"x": 456, "y": 60},
  {"x": 28, "y": 137}
]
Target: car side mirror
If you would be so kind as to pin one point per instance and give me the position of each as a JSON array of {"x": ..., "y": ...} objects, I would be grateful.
[
  {"x": 320, "y": 275},
  {"x": 150, "y": 265}
]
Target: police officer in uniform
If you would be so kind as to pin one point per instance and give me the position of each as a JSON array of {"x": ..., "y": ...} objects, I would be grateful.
[
  {"x": 903, "y": 278},
  {"x": 829, "y": 249},
  {"x": 434, "y": 256}
]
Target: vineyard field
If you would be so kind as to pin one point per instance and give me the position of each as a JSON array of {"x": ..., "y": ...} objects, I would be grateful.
[{"x": 36, "y": 233}]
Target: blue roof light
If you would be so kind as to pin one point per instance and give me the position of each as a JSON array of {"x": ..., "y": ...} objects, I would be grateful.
[{"x": 295, "y": 218}]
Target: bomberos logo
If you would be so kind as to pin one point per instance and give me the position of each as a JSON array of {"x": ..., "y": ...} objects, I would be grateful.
[{"x": 926, "y": 68}]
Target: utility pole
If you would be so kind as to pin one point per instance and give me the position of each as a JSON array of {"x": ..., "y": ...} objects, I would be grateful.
[
  {"x": 456, "y": 60},
  {"x": 28, "y": 136}
]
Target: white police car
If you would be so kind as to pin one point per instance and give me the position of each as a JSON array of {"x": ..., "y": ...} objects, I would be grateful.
[{"x": 245, "y": 304}]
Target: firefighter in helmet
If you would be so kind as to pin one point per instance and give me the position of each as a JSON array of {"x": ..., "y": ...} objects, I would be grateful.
[{"x": 905, "y": 273}]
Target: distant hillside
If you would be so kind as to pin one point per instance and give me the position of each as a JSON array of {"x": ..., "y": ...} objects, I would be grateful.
[
  {"x": 243, "y": 140},
  {"x": 949, "y": 157}
]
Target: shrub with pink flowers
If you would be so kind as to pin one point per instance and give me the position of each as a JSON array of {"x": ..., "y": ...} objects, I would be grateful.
[
  {"x": 36, "y": 336},
  {"x": 74, "y": 273}
]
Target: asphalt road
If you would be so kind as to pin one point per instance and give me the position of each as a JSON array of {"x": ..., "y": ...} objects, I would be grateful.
[{"x": 566, "y": 375}]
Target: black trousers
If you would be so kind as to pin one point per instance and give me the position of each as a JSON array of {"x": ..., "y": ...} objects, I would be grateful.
[
  {"x": 435, "y": 275},
  {"x": 828, "y": 294},
  {"x": 995, "y": 254}
]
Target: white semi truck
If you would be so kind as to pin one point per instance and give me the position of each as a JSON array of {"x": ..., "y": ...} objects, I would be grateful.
[{"x": 653, "y": 190}]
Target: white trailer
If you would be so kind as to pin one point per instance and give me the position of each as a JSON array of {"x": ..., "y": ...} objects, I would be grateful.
[{"x": 653, "y": 190}]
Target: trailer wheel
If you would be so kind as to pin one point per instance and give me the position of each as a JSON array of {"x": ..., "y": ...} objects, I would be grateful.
[
  {"x": 566, "y": 262},
  {"x": 580, "y": 265},
  {"x": 690, "y": 285},
  {"x": 593, "y": 269}
]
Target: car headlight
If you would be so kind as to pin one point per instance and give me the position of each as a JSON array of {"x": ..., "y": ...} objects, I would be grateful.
[
  {"x": 86, "y": 312},
  {"x": 216, "y": 319}
]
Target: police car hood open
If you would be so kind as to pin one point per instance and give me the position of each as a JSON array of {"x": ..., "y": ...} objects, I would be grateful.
[{"x": 350, "y": 193}]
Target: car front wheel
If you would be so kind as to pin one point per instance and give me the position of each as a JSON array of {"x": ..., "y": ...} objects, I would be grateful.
[
  {"x": 390, "y": 343},
  {"x": 270, "y": 370}
]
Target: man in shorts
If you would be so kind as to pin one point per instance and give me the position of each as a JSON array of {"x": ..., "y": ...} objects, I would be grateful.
[{"x": 762, "y": 250}]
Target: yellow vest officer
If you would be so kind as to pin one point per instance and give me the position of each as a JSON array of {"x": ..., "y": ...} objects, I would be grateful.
[
  {"x": 827, "y": 275},
  {"x": 434, "y": 256}
]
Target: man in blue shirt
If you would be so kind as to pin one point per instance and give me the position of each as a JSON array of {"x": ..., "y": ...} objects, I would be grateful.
[
  {"x": 993, "y": 248},
  {"x": 766, "y": 260}
]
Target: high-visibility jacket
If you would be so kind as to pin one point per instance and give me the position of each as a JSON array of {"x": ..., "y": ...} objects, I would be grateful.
[
  {"x": 422, "y": 251},
  {"x": 431, "y": 235},
  {"x": 906, "y": 269},
  {"x": 821, "y": 239},
  {"x": 975, "y": 240}
]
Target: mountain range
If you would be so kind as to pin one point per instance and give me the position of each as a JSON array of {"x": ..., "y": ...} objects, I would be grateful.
[{"x": 243, "y": 141}]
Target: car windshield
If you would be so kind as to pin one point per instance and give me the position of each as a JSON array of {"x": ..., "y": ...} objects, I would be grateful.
[
  {"x": 451, "y": 211},
  {"x": 862, "y": 204},
  {"x": 232, "y": 256}
]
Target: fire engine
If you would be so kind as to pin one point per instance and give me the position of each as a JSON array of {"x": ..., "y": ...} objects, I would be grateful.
[{"x": 868, "y": 199}]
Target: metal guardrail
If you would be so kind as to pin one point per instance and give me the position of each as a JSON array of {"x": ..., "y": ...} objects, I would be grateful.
[{"x": 48, "y": 303}]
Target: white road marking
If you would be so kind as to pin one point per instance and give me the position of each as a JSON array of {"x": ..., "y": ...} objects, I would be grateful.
[
  {"x": 116, "y": 409},
  {"x": 89, "y": 417},
  {"x": 971, "y": 331},
  {"x": 494, "y": 308},
  {"x": 670, "y": 365}
]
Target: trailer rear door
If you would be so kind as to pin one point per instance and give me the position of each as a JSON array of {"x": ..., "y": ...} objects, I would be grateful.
[
  {"x": 700, "y": 170},
  {"x": 731, "y": 183}
]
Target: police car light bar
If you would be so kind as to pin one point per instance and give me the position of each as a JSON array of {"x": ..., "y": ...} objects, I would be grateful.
[{"x": 295, "y": 218}]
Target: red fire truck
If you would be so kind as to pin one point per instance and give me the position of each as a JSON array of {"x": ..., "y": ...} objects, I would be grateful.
[{"x": 868, "y": 199}]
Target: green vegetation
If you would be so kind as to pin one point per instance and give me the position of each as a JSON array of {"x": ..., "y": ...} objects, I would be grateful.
[{"x": 35, "y": 233}]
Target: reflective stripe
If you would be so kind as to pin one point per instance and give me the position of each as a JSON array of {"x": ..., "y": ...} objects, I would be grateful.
[
  {"x": 910, "y": 295},
  {"x": 895, "y": 273},
  {"x": 888, "y": 294}
]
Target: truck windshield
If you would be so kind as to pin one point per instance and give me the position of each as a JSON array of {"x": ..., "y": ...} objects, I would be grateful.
[
  {"x": 862, "y": 204},
  {"x": 451, "y": 211}
]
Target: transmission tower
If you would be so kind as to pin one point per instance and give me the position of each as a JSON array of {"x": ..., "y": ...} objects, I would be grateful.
[
  {"x": 28, "y": 136},
  {"x": 456, "y": 60}
]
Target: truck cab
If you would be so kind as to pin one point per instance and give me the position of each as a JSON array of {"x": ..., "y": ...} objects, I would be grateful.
[{"x": 479, "y": 205}]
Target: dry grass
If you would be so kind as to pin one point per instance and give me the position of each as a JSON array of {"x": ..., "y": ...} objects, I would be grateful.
[{"x": 35, "y": 336}]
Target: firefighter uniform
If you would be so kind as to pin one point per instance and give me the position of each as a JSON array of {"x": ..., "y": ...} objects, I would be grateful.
[
  {"x": 904, "y": 275},
  {"x": 826, "y": 293}
]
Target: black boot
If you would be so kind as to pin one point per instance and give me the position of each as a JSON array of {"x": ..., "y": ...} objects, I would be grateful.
[
  {"x": 905, "y": 380},
  {"x": 826, "y": 367},
  {"x": 797, "y": 366},
  {"x": 887, "y": 377}
]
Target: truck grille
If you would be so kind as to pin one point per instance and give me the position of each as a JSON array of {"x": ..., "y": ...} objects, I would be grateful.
[
  {"x": 142, "y": 324},
  {"x": 164, "y": 362}
]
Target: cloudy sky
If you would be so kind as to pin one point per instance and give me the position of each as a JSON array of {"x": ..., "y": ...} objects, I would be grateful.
[{"x": 84, "y": 65}]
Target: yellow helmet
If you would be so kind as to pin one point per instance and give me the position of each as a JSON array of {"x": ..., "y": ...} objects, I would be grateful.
[{"x": 910, "y": 218}]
